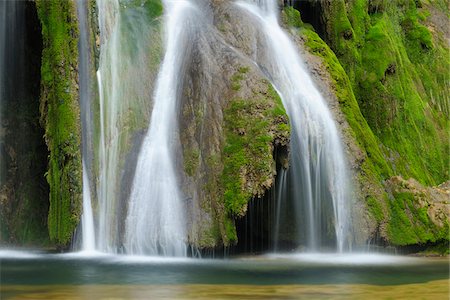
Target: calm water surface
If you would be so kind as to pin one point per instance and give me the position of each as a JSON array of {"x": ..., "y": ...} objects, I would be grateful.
[{"x": 27, "y": 275}]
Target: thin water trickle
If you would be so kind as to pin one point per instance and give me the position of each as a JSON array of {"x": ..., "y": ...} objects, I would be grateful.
[
  {"x": 317, "y": 180},
  {"x": 280, "y": 197},
  {"x": 109, "y": 97},
  {"x": 87, "y": 218}
]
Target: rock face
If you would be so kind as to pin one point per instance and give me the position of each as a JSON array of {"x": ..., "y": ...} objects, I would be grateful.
[{"x": 232, "y": 122}]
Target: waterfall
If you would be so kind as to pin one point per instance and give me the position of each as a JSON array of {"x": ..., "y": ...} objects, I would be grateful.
[
  {"x": 129, "y": 58},
  {"x": 108, "y": 81},
  {"x": 317, "y": 180},
  {"x": 280, "y": 197},
  {"x": 156, "y": 222},
  {"x": 87, "y": 219}
]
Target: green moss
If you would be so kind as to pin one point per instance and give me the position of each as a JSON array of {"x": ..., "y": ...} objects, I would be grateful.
[
  {"x": 291, "y": 17},
  {"x": 249, "y": 135},
  {"x": 246, "y": 166},
  {"x": 153, "y": 8},
  {"x": 230, "y": 232},
  {"x": 236, "y": 81},
  {"x": 375, "y": 208},
  {"x": 60, "y": 116},
  {"x": 243, "y": 70},
  {"x": 375, "y": 166},
  {"x": 397, "y": 70},
  {"x": 398, "y": 121},
  {"x": 409, "y": 222}
]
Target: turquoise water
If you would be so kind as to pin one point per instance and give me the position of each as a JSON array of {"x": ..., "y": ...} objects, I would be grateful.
[
  {"x": 27, "y": 275},
  {"x": 75, "y": 269}
]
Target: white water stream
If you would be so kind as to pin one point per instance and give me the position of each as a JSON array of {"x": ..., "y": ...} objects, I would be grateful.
[
  {"x": 155, "y": 223},
  {"x": 110, "y": 101},
  {"x": 318, "y": 172},
  {"x": 87, "y": 218}
]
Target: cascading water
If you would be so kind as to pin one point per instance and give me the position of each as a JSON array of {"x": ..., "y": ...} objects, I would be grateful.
[
  {"x": 108, "y": 22},
  {"x": 155, "y": 223},
  {"x": 318, "y": 173},
  {"x": 129, "y": 56},
  {"x": 87, "y": 219},
  {"x": 280, "y": 199}
]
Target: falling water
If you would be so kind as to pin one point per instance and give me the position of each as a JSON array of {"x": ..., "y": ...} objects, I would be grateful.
[
  {"x": 318, "y": 171},
  {"x": 279, "y": 198},
  {"x": 87, "y": 219},
  {"x": 156, "y": 223},
  {"x": 107, "y": 229},
  {"x": 127, "y": 71}
]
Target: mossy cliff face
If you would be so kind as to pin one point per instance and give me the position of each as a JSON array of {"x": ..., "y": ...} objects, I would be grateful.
[
  {"x": 395, "y": 58},
  {"x": 60, "y": 116},
  {"x": 387, "y": 58}
]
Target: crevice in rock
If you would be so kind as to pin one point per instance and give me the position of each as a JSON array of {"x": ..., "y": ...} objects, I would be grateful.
[{"x": 311, "y": 12}]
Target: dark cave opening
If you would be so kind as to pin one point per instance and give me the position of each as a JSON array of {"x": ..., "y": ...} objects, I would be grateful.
[
  {"x": 311, "y": 12},
  {"x": 23, "y": 149}
]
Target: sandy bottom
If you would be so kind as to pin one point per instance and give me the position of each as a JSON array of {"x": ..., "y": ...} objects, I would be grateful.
[{"x": 435, "y": 290}]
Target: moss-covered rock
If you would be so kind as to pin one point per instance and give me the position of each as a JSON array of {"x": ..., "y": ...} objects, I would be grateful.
[
  {"x": 231, "y": 124},
  {"x": 253, "y": 126},
  {"x": 60, "y": 116},
  {"x": 419, "y": 215}
]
